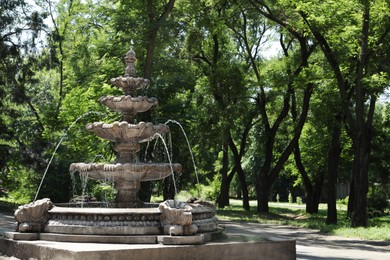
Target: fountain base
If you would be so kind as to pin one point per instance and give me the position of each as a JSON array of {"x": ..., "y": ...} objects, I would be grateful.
[
  {"x": 227, "y": 250},
  {"x": 73, "y": 233}
]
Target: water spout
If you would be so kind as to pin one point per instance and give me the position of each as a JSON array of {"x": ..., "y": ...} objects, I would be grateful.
[
  {"x": 189, "y": 148},
  {"x": 58, "y": 145},
  {"x": 99, "y": 156},
  {"x": 169, "y": 159}
]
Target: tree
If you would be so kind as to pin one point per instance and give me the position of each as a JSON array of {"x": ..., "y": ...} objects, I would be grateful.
[
  {"x": 222, "y": 66},
  {"x": 360, "y": 71},
  {"x": 20, "y": 119},
  {"x": 271, "y": 167}
]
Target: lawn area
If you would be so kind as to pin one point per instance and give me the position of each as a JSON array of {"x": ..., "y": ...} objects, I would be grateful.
[{"x": 294, "y": 215}]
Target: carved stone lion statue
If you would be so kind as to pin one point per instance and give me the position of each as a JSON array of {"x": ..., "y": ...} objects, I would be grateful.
[
  {"x": 176, "y": 218},
  {"x": 31, "y": 217}
]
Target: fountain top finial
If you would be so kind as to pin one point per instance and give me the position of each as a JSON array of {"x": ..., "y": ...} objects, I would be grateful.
[
  {"x": 130, "y": 60},
  {"x": 130, "y": 83}
]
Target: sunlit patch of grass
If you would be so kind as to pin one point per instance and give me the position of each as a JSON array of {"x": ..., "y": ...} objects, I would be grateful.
[
  {"x": 370, "y": 233},
  {"x": 295, "y": 215}
]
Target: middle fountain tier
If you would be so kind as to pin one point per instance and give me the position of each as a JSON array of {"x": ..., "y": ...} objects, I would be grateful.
[{"x": 127, "y": 172}]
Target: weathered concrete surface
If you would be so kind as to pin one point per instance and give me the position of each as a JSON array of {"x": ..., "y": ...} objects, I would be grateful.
[{"x": 282, "y": 250}]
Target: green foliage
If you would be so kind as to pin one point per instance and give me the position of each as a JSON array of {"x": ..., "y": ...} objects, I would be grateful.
[
  {"x": 21, "y": 183},
  {"x": 377, "y": 202},
  {"x": 104, "y": 192},
  {"x": 211, "y": 191},
  {"x": 343, "y": 201}
]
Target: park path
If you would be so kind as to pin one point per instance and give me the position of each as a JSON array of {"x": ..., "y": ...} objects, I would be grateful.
[{"x": 311, "y": 245}]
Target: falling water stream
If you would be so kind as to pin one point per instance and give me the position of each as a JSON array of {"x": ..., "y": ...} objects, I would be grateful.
[
  {"x": 156, "y": 135},
  {"x": 189, "y": 148},
  {"x": 84, "y": 179},
  {"x": 58, "y": 145},
  {"x": 169, "y": 158}
]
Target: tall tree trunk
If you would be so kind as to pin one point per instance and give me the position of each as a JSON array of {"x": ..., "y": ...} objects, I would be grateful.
[
  {"x": 150, "y": 46},
  {"x": 362, "y": 134},
  {"x": 307, "y": 184},
  {"x": 263, "y": 193},
  {"x": 359, "y": 213},
  {"x": 240, "y": 173},
  {"x": 333, "y": 168},
  {"x": 269, "y": 174},
  {"x": 314, "y": 195},
  {"x": 351, "y": 197},
  {"x": 223, "y": 198},
  {"x": 155, "y": 23},
  {"x": 244, "y": 188},
  {"x": 361, "y": 162}
]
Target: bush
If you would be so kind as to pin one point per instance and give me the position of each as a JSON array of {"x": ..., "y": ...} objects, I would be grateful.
[
  {"x": 376, "y": 202},
  {"x": 343, "y": 201},
  {"x": 104, "y": 192}
]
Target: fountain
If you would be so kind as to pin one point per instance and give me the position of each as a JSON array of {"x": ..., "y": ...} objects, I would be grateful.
[
  {"x": 128, "y": 215},
  {"x": 128, "y": 220}
]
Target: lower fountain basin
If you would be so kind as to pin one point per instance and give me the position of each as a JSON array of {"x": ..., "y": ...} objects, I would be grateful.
[
  {"x": 126, "y": 171},
  {"x": 119, "y": 221},
  {"x": 103, "y": 221}
]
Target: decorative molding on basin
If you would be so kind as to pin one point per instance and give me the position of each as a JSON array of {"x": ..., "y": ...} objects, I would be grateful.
[
  {"x": 130, "y": 84},
  {"x": 129, "y": 104},
  {"x": 124, "y": 132},
  {"x": 126, "y": 171},
  {"x": 101, "y": 221}
]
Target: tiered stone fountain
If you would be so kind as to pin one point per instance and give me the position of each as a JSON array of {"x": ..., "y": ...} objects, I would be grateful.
[
  {"x": 127, "y": 172},
  {"x": 128, "y": 220}
]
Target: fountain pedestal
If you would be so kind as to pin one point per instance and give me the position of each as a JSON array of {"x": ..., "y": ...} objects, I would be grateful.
[
  {"x": 127, "y": 194},
  {"x": 127, "y": 152}
]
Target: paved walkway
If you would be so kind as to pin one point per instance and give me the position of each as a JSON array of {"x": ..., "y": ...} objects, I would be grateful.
[{"x": 311, "y": 245}]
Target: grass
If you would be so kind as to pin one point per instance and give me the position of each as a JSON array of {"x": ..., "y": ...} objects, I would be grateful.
[{"x": 294, "y": 215}]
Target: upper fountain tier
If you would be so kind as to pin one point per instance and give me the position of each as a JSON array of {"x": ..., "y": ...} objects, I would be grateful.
[
  {"x": 129, "y": 106},
  {"x": 124, "y": 132},
  {"x": 130, "y": 83}
]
